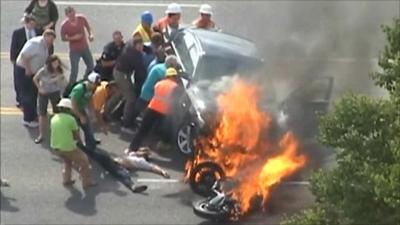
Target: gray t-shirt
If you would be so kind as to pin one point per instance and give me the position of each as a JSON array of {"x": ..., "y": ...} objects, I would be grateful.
[
  {"x": 49, "y": 82},
  {"x": 36, "y": 50}
]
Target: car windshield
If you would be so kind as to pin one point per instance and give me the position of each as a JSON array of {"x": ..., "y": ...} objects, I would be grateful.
[
  {"x": 215, "y": 67},
  {"x": 187, "y": 51}
]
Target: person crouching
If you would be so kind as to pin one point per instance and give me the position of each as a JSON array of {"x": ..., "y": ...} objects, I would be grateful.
[{"x": 63, "y": 140}]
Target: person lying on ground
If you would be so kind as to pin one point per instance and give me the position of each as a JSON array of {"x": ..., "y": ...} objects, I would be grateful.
[{"x": 139, "y": 160}]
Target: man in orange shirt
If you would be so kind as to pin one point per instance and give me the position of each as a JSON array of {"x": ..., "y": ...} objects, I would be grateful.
[
  {"x": 170, "y": 23},
  {"x": 100, "y": 97},
  {"x": 204, "y": 20},
  {"x": 165, "y": 92}
]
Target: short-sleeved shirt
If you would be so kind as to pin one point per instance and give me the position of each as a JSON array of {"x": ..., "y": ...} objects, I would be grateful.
[
  {"x": 110, "y": 52},
  {"x": 37, "y": 51},
  {"x": 100, "y": 96},
  {"x": 62, "y": 129},
  {"x": 81, "y": 95},
  {"x": 156, "y": 74},
  {"x": 50, "y": 82},
  {"x": 131, "y": 60},
  {"x": 67, "y": 28}
]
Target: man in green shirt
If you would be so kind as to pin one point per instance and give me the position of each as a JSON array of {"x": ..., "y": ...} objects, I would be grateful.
[
  {"x": 81, "y": 97},
  {"x": 63, "y": 140}
]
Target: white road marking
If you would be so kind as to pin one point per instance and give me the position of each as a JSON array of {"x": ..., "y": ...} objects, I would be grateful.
[
  {"x": 112, "y": 3},
  {"x": 150, "y": 180}
]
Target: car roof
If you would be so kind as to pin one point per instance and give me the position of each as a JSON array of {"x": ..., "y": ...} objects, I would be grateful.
[{"x": 220, "y": 44}]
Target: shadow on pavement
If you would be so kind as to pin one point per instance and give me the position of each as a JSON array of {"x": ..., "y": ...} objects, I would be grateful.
[{"x": 6, "y": 203}]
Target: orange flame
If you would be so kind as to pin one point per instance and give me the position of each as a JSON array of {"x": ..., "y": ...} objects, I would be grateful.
[{"x": 239, "y": 144}]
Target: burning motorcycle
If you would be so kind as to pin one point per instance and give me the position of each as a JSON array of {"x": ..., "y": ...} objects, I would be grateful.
[{"x": 218, "y": 207}]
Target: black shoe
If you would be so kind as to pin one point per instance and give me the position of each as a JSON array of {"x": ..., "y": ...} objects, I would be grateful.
[
  {"x": 139, "y": 188},
  {"x": 97, "y": 141}
]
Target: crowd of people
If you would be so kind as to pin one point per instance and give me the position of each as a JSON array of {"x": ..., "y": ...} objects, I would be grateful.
[{"x": 139, "y": 74}]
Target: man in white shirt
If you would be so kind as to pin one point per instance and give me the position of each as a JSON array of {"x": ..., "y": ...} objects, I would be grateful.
[{"x": 32, "y": 57}]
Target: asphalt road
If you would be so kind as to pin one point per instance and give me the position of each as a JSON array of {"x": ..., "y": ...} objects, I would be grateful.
[{"x": 36, "y": 195}]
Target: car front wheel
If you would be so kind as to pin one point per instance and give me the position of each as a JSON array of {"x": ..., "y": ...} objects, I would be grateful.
[{"x": 184, "y": 139}]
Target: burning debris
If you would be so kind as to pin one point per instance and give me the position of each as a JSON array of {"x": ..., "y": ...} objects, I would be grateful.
[{"x": 240, "y": 144}]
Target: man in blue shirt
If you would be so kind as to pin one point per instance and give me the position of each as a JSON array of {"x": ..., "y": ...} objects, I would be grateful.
[{"x": 156, "y": 74}]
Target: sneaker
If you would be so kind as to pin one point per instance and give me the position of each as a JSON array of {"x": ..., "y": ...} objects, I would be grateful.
[
  {"x": 32, "y": 124},
  {"x": 127, "y": 130},
  {"x": 138, "y": 188}
]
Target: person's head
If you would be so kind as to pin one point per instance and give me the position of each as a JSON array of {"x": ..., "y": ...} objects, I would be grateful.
[
  {"x": 54, "y": 64},
  {"x": 49, "y": 36},
  {"x": 65, "y": 105},
  {"x": 171, "y": 73},
  {"x": 70, "y": 12},
  {"x": 29, "y": 21},
  {"x": 160, "y": 54},
  {"x": 138, "y": 43},
  {"x": 118, "y": 39},
  {"x": 157, "y": 39},
  {"x": 171, "y": 62},
  {"x": 205, "y": 11},
  {"x": 173, "y": 12},
  {"x": 147, "y": 19},
  {"x": 94, "y": 80}
]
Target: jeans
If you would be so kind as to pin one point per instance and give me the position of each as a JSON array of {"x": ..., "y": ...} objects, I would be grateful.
[
  {"x": 150, "y": 119},
  {"x": 29, "y": 95},
  {"x": 74, "y": 58},
  {"x": 90, "y": 141},
  {"x": 140, "y": 105},
  {"x": 127, "y": 90},
  {"x": 19, "y": 75}
]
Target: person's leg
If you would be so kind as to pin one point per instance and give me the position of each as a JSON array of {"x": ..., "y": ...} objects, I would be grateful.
[
  {"x": 43, "y": 101},
  {"x": 140, "y": 105},
  {"x": 19, "y": 74},
  {"x": 74, "y": 58},
  {"x": 67, "y": 171},
  {"x": 88, "y": 59},
  {"x": 90, "y": 141},
  {"x": 150, "y": 117},
  {"x": 29, "y": 99},
  {"x": 54, "y": 100},
  {"x": 126, "y": 87},
  {"x": 84, "y": 168}
]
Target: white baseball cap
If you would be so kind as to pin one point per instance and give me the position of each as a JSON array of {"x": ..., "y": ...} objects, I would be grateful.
[
  {"x": 206, "y": 9},
  {"x": 94, "y": 77},
  {"x": 173, "y": 8},
  {"x": 65, "y": 102}
]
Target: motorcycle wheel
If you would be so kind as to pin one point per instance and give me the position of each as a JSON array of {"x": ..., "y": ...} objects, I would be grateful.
[
  {"x": 203, "y": 177},
  {"x": 200, "y": 209}
]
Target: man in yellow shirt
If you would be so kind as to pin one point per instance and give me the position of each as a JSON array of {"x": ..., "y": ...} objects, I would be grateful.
[
  {"x": 100, "y": 97},
  {"x": 144, "y": 30}
]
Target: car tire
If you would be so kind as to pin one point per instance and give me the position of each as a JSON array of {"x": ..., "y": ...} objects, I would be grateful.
[{"x": 184, "y": 139}]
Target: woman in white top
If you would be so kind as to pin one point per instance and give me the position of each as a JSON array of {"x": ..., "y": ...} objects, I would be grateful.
[{"x": 50, "y": 82}]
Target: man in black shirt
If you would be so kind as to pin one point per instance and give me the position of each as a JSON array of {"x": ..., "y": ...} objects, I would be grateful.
[
  {"x": 130, "y": 61},
  {"x": 105, "y": 64}
]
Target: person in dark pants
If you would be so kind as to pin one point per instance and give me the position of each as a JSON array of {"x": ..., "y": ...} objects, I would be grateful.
[
  {"x": 81, "y": 97},
  {"x": 32, "y": 57},
  {"x": 165, "y": 92},
  {"x": 18, "y": 40},
  {"x": 130, "y": 60},
  {"x": 105, "y": 64}
]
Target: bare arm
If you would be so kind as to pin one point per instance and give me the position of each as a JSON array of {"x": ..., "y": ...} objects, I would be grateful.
[{"x": 77, "y": 136}]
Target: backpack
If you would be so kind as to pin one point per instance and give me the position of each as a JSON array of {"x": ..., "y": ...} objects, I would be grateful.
[{"x": 68, "y": 89}]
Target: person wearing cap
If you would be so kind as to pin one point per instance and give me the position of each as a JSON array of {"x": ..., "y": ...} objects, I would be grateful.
[
  {"x": 50, "y": 81},
  {"x": 204, "y": 20},
  {"x": 166, "y": 92},
  {"x": 63, "y": 141},
  {"x": 144, "y": 30},
  {"x": 19, "y": 37},
  {"x": 170, "y": 23},
  {"x": 81, "y": 97},
  {"x": 105, "y": 64},
  {"x": 32, "y": 57}
]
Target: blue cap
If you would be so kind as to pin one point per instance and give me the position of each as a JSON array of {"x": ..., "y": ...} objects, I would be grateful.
[{"x": 147, "y": 17}]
